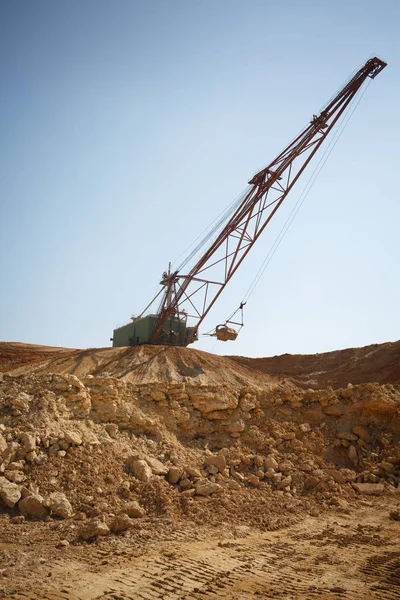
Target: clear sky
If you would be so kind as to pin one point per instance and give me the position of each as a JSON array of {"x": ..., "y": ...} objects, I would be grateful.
[{"x": 127, "y": 126}]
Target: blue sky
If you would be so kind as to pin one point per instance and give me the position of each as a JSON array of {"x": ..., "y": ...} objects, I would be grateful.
[{"x": 126, "y": 128}]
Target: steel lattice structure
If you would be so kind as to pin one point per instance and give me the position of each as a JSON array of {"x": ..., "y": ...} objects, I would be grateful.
[{"x": 193, "y": 294}]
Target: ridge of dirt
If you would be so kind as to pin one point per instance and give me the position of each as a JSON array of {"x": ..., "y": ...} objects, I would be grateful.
[{"x": 377, "y": 363}]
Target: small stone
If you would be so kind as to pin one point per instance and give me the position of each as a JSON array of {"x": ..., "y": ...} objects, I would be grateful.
[
  {"x": 206, "y": 488},
  {"x": 218, "y": 461},
  {"x": 80, "y": 516},
  {"x": 112, "y": 430},
  {"x": 350, "y": 437},
  {"x": 259, "y": 460},
  {"x": 305, "y": 427},
  {"x": 334, "y": 410},
  {"x": 174, "y": 475},
  {"x": 369, "y": 489},
  {"x": 361, "y": 432},
  {"x": 62, "y": 453},
  {"x": 28, "y": 442},
  {"x": 133, "y": 510},
  {"x": 253, "y": 480},
  {"x": 193, "y": 472},
  {"x": 93, "y": 528},
  {"x": 73, "y": 437},
  {"x": 15, "y": 476},
  {"x": 310, "y": 482},
  {"x": 234, "y": 485},
  {"x": 353, "y": 455},
  {"x": 17, "y": 520},
  {"x": 271, "y": 463},
  {"x": 386, "y": 466},
  {"x": 63, "y": 544},
  {"x": 157, "y": 467},
  {"x": 121, "y": 522}
]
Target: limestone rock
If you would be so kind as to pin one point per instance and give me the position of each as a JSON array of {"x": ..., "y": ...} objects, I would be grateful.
[
  {"x": 140, "y": 469},
  {"x": 193, "y": 472},
  {"x": 208, "y": 401},
  {"x": 362, "y": 433},
  {"x": 271, "y": 463},
  {"x": 369, "y": 489},
  {"x": 205, "y": 488},
  {"x": 121, "y": 522},
  {"x": 234, "y": 485},
  {"x": 334, "y": 410},
  {"x": 174, "y": 475},
  {"x": 9, "y": 492},
  {"x": 157, "y": 467},
  {"x": 15, "y": 476},
  {"x": 33, "y": 506},
  {"x": 218, "y": 461},
  {"x": 28, "y": 442},
  {"x": 350, "y": 437},
  {"x": 133, "y": 510},
  {"x": 353, "y": 455},
  {"x": 60, "y": 505},
  {"x": 112, "y": 430},
  {"x": 253, "y": 480},
  {"x": 92, "y": 528},
  {"x": 73, "y": 437}
]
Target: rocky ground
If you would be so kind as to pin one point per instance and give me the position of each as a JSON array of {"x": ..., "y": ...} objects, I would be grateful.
[{"x": 172, "y": 473}]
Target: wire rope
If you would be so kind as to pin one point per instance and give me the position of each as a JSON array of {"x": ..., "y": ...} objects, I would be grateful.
[{"x": 302, "y": 197}]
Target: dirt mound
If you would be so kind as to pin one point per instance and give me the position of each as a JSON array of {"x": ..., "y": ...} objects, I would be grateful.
[
  {"x": 378, "y": 363},
  {"x": 143, "y": 364}
]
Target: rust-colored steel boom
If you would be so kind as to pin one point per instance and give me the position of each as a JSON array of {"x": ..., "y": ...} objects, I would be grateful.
[{"x": 193, "y": 294}]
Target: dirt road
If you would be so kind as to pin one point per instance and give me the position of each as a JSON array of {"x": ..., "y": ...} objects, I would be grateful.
[{"x": 349, "y": 555}]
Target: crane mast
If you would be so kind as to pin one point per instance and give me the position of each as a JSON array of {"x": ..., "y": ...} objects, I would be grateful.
[{"x": 191, "y": 295}]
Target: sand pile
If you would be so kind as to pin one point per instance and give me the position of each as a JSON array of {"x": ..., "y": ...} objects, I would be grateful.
[
  {"x": 378, "y": 363},
  {"x": 194, "y": 440}
]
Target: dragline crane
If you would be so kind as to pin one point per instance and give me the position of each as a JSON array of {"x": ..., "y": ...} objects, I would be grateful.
[{"x": 187, "y": 297}]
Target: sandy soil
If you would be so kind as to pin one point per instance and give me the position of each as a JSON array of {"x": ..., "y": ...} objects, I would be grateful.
[
  {"x": 350, "y": 555},
  {"x": 376, "y": 363}
]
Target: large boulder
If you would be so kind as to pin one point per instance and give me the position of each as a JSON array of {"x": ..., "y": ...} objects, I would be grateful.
[
  {"x": 140, "y": 469},
  {"x": 92, "y": 528},
  {"x": 60, "y": 505},
  {"x": 9, "y": 492},
  {"x": 206, "y": 488},
  {"x": 33, "y": 506},
  {"x": 157, "y": 467},
  {"x": 208, "y": 401},
  {"x": 369, "y": 489},
  {"x": 133, "y": 510},
  {"x": 120, "y": 523}
]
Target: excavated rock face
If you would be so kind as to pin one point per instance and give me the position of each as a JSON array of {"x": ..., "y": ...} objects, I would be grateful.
[{"x": 106, "y": 451}]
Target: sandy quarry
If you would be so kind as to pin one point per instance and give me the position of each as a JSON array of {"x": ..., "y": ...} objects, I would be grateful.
[{"x": 153, "y": 472}]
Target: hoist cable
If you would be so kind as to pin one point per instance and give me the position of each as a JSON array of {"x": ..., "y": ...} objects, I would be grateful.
[
  {"x": 211, "y": 229},
  {"x": 302, "y": 198}
]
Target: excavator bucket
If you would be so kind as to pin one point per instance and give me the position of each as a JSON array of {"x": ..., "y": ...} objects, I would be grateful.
[{"x": 225, "y": 333}]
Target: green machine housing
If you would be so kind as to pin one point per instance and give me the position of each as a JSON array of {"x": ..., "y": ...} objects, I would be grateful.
[{"x": 139, "y": 332}]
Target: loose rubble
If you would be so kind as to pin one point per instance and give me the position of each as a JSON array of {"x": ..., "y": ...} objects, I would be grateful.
[{"x": 109, "y": 453}]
